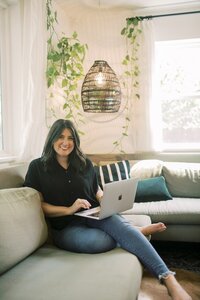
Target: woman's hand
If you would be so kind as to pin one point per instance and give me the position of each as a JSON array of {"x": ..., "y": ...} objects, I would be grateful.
[
  {"x": 99, "y": 194},
  {"x": 78, "y": 204},
  {"x": 59, "y": 211}
]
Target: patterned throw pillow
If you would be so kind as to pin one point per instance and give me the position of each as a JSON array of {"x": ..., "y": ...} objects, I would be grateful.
[{"x": 113, "y": 172}]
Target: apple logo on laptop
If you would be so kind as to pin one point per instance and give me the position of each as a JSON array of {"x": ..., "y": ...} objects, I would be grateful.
[{"x": 120, "y": 197}]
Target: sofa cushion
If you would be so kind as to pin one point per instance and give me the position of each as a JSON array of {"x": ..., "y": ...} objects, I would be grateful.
[
  {"x": 152, "y": 189},
  {"x": 179, "y": 211},
  {"x": 22, "y": 225},
  {"x": 146, "y": 169},
  {"x": 51, "y": 273},
  {"x": 183, "y": 179},
  {"x": 13, "y": 176},
  {"x": 113, "y": 172}
]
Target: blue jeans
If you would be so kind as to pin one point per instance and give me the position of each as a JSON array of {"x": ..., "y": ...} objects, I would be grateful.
[{"x": 85, "y": 235}]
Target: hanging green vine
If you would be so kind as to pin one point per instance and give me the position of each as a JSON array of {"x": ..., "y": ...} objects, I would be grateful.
[
  {"x": 65, "y": 57},
  {"x": 131, "y": 32},
  {"x": 130, "y": 81}
]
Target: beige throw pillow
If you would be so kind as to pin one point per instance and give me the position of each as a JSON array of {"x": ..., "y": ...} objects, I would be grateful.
[
  {"x": 183, "y": 179},
  {"x": 146, "y": 169}
]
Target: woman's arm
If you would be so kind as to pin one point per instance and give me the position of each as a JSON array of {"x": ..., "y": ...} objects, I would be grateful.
[
  {"x": 55, "y": 211},
  {"x": 52, "y": 211}
]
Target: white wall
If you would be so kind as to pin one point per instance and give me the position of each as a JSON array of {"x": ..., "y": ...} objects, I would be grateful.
[
  {"x": 178, "y": 27},
  {"x": 100, "y": 30}
]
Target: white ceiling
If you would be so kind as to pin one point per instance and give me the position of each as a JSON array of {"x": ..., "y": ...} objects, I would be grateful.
[
  {"x": 122, "y": 4},
  {"x": 128, "y": 4}
]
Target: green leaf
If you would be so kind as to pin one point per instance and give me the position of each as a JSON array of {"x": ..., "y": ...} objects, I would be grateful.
[
  {"x": 138, "y": 96},
  {"x": 66, "y": 92},
  {"x": 79, "y": 66},
  {"x": 125, "y": 62},
  {"x": 49, "y": 82},
  {"x": 122, "y": 151},
  {"x": 127, "y": 73},
  {"x": 64, "y": 83},
  {"x": 56, "y": 57},
  {"x": 129, "y": 21},
  {"x": 72, "y": 87},
  {"x": 131, "y": 30},
  {"x": 123, "y": 32},
  {"x": 135, "y": 21},
  {"x": 74, "y": 35},
  {"x": 81, "y": 132},
  {"x": 69, "y": 116}
]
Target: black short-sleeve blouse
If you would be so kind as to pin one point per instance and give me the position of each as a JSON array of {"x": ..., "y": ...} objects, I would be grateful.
[{"x": 62, "y": 187}]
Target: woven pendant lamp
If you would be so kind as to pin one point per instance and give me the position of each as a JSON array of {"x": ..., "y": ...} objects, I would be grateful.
[{"x": 101, "y": 91}]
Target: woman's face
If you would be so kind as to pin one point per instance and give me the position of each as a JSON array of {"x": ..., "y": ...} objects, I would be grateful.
[{"x": 65, "y": 144}]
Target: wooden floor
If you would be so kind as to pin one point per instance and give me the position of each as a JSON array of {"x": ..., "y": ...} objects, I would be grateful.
[{"x": 151, "y": 289}]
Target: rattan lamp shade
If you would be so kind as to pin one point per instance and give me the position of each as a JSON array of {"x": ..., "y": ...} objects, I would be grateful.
[{"x": 101, "y": 91}]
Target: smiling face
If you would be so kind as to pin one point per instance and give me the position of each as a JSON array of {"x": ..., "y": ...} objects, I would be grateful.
[{"x": 64, "y": 144}]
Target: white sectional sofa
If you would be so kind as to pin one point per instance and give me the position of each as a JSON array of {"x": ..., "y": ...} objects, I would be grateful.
[
  {"x": 32, "y": 268},
  {"x": 182, "y": 213}
]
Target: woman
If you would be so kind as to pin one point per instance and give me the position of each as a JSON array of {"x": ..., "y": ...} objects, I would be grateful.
[{"x": 67, "y": 183}]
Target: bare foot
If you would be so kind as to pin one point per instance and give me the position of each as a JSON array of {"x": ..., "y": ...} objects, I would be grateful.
[
  {"x": 153, "y": 228},
  {"x": 175, "y": 290}
]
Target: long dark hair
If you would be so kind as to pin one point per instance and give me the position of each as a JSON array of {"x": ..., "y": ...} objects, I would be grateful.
[{"x": 76, "y": 158}]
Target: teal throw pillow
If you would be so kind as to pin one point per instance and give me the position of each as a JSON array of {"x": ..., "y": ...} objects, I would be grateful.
[{"x": 152, "y": 189}]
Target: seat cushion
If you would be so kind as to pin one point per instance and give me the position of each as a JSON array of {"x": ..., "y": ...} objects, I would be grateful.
[
  {"x": 51, "y": 273},
  {"x": 177, "y": 211}
]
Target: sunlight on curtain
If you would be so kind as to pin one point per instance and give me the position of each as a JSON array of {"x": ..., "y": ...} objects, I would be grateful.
[
  {"x": 146, "y": 111},
  {"x": 33, "y": 77}
]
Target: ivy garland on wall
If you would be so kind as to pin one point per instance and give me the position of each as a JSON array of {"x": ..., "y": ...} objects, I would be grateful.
[
  {"x": 131, "y": 73},
  {"x": 65, "y": 57},
  {"x": 132, "y": 32}
]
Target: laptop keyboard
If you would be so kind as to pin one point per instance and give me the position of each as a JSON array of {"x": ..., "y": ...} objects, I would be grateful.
[{"x": 96, "y": 214}]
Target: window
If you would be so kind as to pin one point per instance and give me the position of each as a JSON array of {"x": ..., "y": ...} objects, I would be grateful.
[
  {"x": 1, "y": 126},
  {"x": 178, "y": 92}
]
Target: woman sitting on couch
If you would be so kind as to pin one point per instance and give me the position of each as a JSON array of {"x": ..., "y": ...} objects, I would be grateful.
[{"x": 67, "y": 183}]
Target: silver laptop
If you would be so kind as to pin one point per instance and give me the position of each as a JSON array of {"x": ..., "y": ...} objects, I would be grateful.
[{"x": 118, "y": 196}]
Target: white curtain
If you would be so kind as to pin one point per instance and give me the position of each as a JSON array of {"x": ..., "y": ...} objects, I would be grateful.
[
  {"x": 33, "y": 77},
  {"x": 146, "y": 110},
  {"x": 23, "y": 53}
]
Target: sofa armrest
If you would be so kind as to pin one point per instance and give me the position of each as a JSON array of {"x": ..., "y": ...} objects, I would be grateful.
[{"x": 22, "y": 223}]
